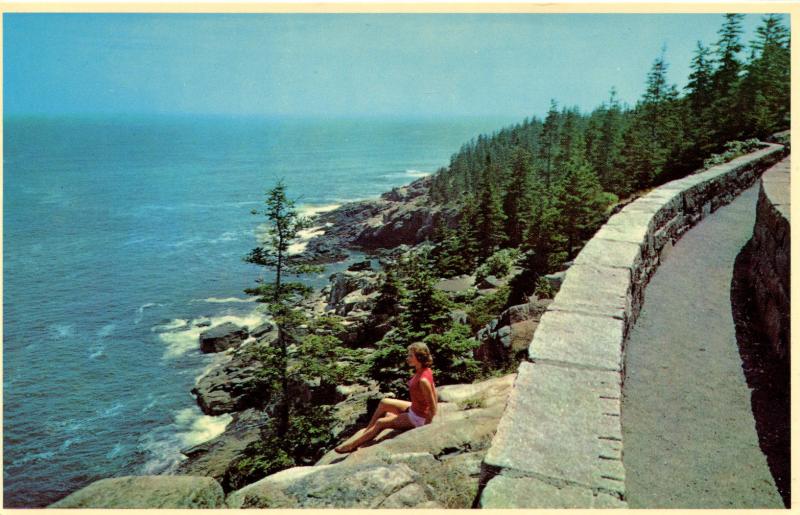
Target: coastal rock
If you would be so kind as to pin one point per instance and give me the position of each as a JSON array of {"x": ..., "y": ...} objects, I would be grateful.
[
  {"x": 222, "y": 337},
  {"x": 371, "y": 485},
  {"x": 511, "y": 332},
  {"x": 360, "y": 266},
  {"x": 212, "y": 458},
  {"x": 147, "y": 492},
  {"x": 344, "y": 283},
  {"x": 401, "y": 216},
  {"x": 356, "y": 300},
  {"x": 444, "y": 456},
  {"x": 262, "y": 330},
  {"x": 490, "y": 282},
  {"x": 230, "y": 386}
]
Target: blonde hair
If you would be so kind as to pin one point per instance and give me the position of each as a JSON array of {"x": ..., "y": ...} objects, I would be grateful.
[{"x": 422, "y": 353}]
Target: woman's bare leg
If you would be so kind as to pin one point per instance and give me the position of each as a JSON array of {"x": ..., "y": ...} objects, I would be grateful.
[
  {"x": 390, "y": 406},
  {"x": 390, "y": 421}
]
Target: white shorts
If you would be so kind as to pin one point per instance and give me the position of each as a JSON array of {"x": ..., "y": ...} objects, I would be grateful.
[{"x": 416, "y": 419}]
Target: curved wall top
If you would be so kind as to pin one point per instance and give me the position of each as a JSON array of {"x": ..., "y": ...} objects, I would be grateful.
[{"x": 559, "y": 443}]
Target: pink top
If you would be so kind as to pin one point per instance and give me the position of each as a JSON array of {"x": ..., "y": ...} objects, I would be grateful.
[{"x": 419, "y": 403}]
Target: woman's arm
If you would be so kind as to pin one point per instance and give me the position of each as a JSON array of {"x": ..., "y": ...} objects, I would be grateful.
[{"x": 427, "y": 391}]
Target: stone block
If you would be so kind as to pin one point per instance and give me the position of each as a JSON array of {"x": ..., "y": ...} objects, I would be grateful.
[
  {"x": 554, "y": 426},
  {"x": 595, "y": 290},
  {"x": 585, "y": 340},
  {"x": 609, "y": 253},
  {"x": 524, "y": 492}
]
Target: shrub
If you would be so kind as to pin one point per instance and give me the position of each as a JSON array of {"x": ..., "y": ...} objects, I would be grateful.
[
  {"x": 498, "y": 264},
  {"x": 487, "y": 307},
  {"x": 733, "y": 149},
  {"x": 472, "y": 403},
  {"x": 544, "y": 290},
  {"x": 452, "y": 355}
]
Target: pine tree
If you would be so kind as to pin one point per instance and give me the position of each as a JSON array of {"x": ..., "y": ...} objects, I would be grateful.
[
  {"x": 516, "y": 200},
  {"x": 489, "y": 221},
  {"x": 580, "y": 202},
  {"x": 765, "y": 89},
  {"x": 549, "y": 143},
  {"x": 280, "y": 296},
  {"x": 700, "y": 97},
  {"x": 726, "y": 79}
]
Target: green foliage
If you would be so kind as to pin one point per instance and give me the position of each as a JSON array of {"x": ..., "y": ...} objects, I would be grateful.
[
  {"x": 472, "y": 403},
  {"x": 498, "y": 264},
  {"x": 307, "y": 439},
  {"x": 426, "y": 309},
  {"x": 452, "y": 351},
  {"x": 487, "y": 307},
  {"x": 581, "y": 204},
  {"x": 387, "y": 363},
  {"x": 390, "y": 293},
  {"x": 544, "y": 290},
  {"x": 733, "y": 149}
]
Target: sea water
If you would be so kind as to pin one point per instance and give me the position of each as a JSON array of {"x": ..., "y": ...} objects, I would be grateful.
[{"x": 120, "y": 236}]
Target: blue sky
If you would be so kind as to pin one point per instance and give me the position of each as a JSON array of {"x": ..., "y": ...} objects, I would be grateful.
[{"x": 338, "y": 65}]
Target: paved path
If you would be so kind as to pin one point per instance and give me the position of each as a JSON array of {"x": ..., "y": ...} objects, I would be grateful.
[{"x": 689, "y": 433}]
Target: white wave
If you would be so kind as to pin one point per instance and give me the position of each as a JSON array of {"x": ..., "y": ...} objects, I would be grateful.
[
  {"x": 97, "y": 352},
  {"x": 311, "y": 210},
  {"x": 136, "y": 241},
  {"x": 63, "y": 330},
  {"x": 195, "y": 428},
  {"x": 150, "y": 405},
  {"x": 115, "y": 451},
  {"x": 40, "y": 456},
  {"x": 112, "y": 410},
  {"x": 68, "y": 443},
  {"x": 225, "y": 300},
  {"x": 181, "y": 342},
  {"x": 417, "y": 173},
  {"x": 106, "y": 330},
  {"x": 140, "y": 311},
  {"x": 304, "y": 237},
  {"x": 176, "y": 323}
]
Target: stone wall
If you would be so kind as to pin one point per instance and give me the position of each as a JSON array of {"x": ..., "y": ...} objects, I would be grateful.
[
  {"x": 559, "y": 442},
  {"x": 770, "y": 257}
]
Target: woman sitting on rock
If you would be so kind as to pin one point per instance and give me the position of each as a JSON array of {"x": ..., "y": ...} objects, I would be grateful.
[{"x": 397, "y": 414}]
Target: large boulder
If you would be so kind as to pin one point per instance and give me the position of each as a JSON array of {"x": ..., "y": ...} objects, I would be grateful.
[
  {"x": 222, "y": 337},
  {"x": 511, "y": 332},
  {"x": 344, "y": 283},
  {"x": 373, "y": 485},
  {"x": 147, "y": 492},
  {"x": 230, "y": 386},
  {"x": 212, "y": 458},
  {"x": 434, "y": 466}
]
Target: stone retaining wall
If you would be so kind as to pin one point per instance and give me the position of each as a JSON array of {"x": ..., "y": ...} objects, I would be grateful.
[
  {"x": 559, "y": 442},
  {"x": 770, "y": 257}
]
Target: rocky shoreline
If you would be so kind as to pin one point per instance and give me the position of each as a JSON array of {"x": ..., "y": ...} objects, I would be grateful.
[{"x": 383, "y": 228}]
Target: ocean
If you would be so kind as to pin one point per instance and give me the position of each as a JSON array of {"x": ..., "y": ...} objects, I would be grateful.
[{"x": 120, "y": 235}]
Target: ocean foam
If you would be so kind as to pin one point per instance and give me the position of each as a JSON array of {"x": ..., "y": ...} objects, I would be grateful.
[
  {"x": 106, "y": 330},
  {"x": 171, "y": 325},
  {"x": 195, "y": 428},
  {"x": 311, "y": 210},
  {"x": 115, "y": 451},
  {"x": 140, "y": 311},
  {"x": 181, "y": 342},
  {"x": 417, "y": 173},
  {"x": 304, "y": 237},
  {"x": 97, "y": 352},
  {"x": 225, "y": 300},
  {"x": 63, "y": 330}
]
